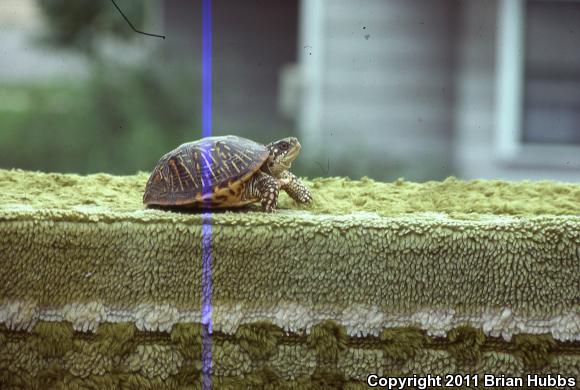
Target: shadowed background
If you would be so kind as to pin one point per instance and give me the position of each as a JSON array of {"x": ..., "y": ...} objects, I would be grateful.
[{"x": 384, "y": 89}]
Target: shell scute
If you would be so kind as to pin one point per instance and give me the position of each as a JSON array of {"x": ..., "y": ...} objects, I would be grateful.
[{"x": 213, "y": 170}]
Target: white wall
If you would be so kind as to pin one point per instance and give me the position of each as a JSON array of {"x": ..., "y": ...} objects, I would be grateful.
[
  {"x": 377, "y": 85},
  {"x": 475, "y": 89}
]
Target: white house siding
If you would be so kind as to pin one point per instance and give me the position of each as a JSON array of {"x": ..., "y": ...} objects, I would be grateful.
[
  {"x": 475, "y": 89},
  {"x": 378, "y": 85}
]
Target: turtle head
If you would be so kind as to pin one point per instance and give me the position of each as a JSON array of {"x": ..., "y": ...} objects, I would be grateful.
[{"x": 282, "y": 153}]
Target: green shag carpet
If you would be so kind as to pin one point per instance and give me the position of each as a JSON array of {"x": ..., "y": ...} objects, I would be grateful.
[{"x": 393, "y": 279}]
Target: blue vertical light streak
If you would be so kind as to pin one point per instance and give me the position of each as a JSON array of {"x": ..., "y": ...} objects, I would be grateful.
[
  {"x": 206, "y": 228},
  {"x": 206, "y": 56}
]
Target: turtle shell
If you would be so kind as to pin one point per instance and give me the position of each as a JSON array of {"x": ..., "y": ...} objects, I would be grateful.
[{"x": 212, "y": 170}]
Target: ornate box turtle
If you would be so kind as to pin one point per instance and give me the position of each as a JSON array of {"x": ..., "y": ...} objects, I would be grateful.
[{"x": 222, "y": 172}]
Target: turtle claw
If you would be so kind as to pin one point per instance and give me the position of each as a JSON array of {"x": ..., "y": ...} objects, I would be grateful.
[
  {"x": 269, "y": 207},
  {"x": 304, "y": 196}
]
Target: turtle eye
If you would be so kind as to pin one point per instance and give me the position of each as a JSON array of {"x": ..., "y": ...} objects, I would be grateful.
[{"x": 284, "y": 145}]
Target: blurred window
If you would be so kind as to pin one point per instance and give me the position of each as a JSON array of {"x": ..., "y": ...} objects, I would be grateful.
[{"x": 551, "y": 71}]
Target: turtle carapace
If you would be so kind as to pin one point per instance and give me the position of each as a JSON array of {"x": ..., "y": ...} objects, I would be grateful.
[{"x": 223, "y": 172}]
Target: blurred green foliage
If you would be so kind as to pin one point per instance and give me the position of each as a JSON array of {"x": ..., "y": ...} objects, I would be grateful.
[
  {"x": 79, "y": 24},
  {"x": 120, "y": 119}
]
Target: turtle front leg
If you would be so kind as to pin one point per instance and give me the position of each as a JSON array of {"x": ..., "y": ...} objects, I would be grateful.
[
  {"x": 295, "y": 188},
  {"x": 264, "y": 187}
]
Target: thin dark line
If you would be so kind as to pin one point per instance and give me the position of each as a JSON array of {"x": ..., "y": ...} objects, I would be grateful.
[
  {"x": 322, "y": 168},
  {"x": 131, "y": 24}
]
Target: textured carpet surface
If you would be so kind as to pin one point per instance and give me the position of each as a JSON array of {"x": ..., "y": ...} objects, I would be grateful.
[
  {"x": 390, "y": 278},
  {"x": 334, "y": 196}
]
